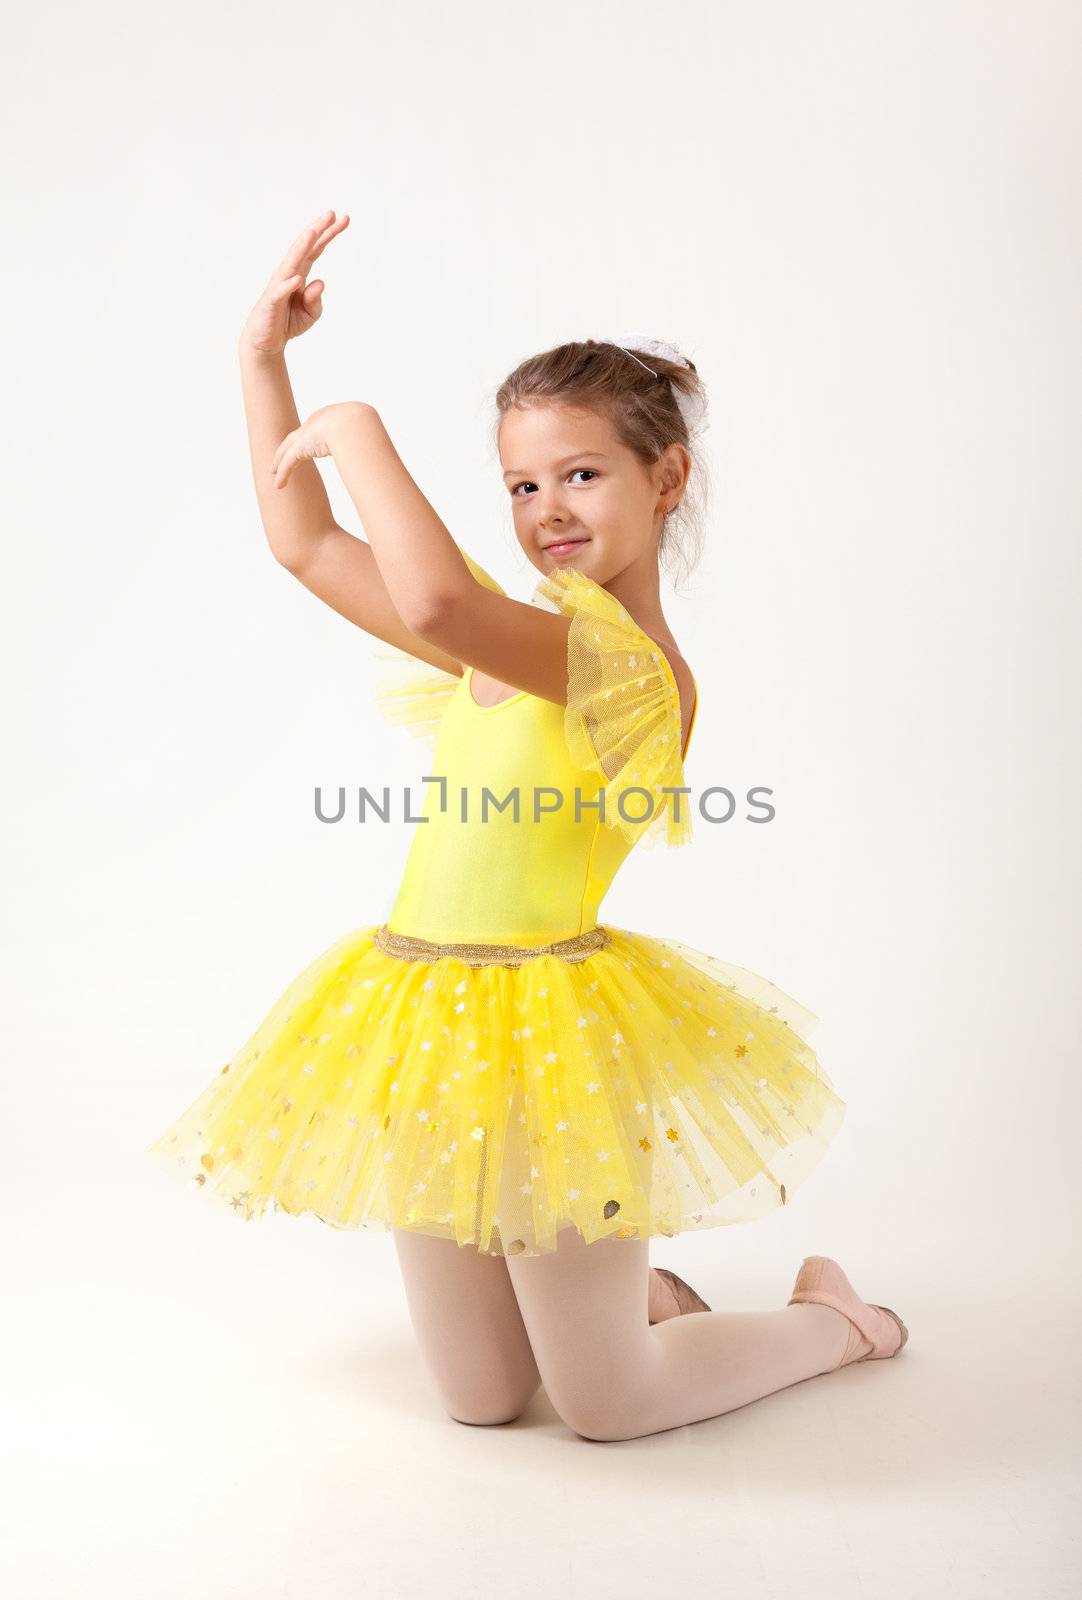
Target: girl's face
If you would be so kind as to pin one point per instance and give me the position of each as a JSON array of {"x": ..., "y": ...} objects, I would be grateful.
[{"x": 580, "y": 498}]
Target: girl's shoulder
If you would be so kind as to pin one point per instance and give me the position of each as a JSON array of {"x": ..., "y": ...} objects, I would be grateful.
[
  {"x": 629, "y": 709},
  {"x": 605, "y": 625}
]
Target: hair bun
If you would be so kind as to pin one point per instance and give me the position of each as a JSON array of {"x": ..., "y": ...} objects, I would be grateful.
[
  {"x": 653, "y": 347},
  {"x": 692, "y": 406}
]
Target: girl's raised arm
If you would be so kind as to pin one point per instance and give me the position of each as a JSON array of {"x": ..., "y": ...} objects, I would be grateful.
[{"x": 301, "y": 531}]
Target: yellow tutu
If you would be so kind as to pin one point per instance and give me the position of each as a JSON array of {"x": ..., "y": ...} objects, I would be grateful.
[
  {"x": 493, "y": 1064},
  {"x": 645, "y": 1089}
]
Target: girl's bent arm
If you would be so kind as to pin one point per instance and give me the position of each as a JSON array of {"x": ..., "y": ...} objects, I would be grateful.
[
  {"x": 301, "y": 531},
  {"x": 427, "y": 580}
]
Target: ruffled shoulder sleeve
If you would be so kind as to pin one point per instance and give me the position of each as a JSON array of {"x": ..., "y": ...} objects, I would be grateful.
[
  {"x": 412, "y": 693},
  {"x": 622, "y": 719}
]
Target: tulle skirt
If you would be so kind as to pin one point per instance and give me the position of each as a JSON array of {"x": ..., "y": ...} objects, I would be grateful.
[{"x": 646, "y": 1088}]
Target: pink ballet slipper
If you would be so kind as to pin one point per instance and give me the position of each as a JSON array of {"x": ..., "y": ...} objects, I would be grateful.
[
  {"x": 684, "y": 1295},
  {"x": 876, "y": 1332}
]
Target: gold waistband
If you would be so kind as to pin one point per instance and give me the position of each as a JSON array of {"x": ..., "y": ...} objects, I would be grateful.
[{"x": 485, "y": 955}]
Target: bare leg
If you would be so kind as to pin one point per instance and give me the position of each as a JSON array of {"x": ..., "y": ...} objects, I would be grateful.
[
  {"x": 612, "y": 1376},
  {"x": 469, "y": 1328}
]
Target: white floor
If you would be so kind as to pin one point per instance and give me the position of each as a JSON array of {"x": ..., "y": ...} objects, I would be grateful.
[{"x": 201, "y": 1408}]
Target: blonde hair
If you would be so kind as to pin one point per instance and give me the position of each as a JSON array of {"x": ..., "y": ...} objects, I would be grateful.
[{"x": 642, "y": 410}]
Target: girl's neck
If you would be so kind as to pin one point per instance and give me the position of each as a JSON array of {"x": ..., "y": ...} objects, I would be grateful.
[{"x": 638, "y": 589}]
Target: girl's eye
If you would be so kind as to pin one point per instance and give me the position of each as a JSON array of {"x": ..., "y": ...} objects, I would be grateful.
[{"x": 527, "y": 485}]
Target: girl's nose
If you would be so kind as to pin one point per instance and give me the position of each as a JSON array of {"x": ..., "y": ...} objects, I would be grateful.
[{"x": 551, "y": 512}]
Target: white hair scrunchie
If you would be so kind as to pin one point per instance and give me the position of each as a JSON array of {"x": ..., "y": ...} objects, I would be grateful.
[{"x": 692, "y": 406}]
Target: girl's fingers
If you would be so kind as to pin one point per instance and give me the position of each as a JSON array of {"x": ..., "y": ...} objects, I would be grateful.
[
  {"x": 288, "y": 286},
  {"x": 328, "y": 234},
  {"x": 321, "y": 222},
  {"x": 283, "y": 452},
  {"x": 314, "y": 237},
  {"x": 297, "y": 253},
  {"x": 309, "y": 244},
  {"x": 306, "y": 235},
  {"x": 279, "y": 285}
]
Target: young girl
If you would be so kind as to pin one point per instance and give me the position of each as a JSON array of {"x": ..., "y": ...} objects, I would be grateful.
[{"x": 526, "y": 1096}]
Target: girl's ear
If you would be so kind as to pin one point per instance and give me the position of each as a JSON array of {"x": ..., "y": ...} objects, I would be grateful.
[{"x": 676, "y": 468}]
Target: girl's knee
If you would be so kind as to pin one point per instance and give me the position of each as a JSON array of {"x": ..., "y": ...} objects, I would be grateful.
[
  {"x": 484, "y": 1419},
  {"x": 603, "y": 1427},
  {"x": 490, "y": 1405},
  {"x": 601, "y": 1414}
]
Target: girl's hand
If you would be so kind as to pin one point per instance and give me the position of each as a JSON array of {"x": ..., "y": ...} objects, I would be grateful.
[
  {"x": 289, "y": 305},
  {"x": 315, "y": 437}
]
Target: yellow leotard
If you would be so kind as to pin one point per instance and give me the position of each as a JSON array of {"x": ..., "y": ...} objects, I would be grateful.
[
  {"x": 475, "y": 870},
  {"x": 492, "y": 1063}
]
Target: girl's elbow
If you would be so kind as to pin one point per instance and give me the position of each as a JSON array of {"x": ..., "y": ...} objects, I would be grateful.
[{"x": 430, "y": 616}]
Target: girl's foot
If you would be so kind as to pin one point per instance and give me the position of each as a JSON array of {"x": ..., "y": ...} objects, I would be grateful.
[
  {"x": 875, "y": 1331},
  {"x": 670, "y": 1296}
]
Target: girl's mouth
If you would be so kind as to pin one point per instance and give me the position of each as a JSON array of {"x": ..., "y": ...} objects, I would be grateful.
[{"x": 563, "y": 548}]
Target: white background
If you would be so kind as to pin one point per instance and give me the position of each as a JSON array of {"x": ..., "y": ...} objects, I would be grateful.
[{"x": 862, "y": 223}]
